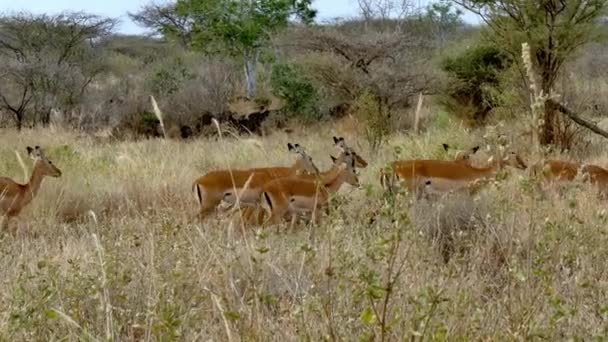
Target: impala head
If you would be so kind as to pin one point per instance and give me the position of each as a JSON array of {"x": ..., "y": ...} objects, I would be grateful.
[
  {"x": 350, "y": 171},
  {"x": 304, "y": 160},
  {"x": 41, "y": 161},
  {"x": 340, "y": 143},
  {"x": 462, "y": 156}
]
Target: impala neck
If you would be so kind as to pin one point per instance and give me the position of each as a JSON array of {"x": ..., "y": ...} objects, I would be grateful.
[
  {"x": 333, "y": 183},
  {"x": 330, "y": 175},
  {"x": 33, "y": 185},
  {"x": 492, "y": 167},
  {"x": 298, "y": 167}
]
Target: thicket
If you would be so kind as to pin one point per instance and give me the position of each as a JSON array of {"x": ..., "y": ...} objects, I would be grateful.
[{"x": 474, "y": 79}]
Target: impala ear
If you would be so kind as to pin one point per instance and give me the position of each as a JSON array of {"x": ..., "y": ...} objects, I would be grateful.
[
  {"x": 446, "y": 147},
  {"x": 333, "y": 159},
  {"x": 29, "y": 150},
  {"x": 292, "y": 148},
  {"x": 475, "y": 149},
  {"x": 336, "y": 140}
]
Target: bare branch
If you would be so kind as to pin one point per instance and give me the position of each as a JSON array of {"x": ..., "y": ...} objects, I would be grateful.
[{"x": 553, "y": 105}]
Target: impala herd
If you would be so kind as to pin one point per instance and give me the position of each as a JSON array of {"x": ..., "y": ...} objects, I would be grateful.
[{"x": 270, "y": 195}]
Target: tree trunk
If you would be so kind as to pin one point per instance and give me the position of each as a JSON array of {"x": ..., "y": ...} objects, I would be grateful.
[
  {"x": 548, "y": 128},
  {"x": 251, "y": 61},
  {"x": 19, "y": 121},
  {"x": 46, "y": 117}
]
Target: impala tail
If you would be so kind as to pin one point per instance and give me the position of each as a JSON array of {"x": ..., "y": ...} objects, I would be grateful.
[
  {"x": 267, "y": 201},
  {"x": 197, "y": 189}
]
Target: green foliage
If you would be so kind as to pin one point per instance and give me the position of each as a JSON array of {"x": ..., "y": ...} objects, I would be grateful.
[
  {"x": 239, "y": 27},
  {"x": 473, "y": 74},
  {"x": 376, "y": 119},
  {"x": 554, "y": 30},
  {"x": 289, "y": 82},
  {"x": 441, "y": 120},
  {"x": 443, "y": 18},
  {"x": 48, "y": 61},
  {"x": 169, "y": 78}
]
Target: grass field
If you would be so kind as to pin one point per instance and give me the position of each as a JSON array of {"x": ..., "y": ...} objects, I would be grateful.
[{"x": 110, "y": 251}]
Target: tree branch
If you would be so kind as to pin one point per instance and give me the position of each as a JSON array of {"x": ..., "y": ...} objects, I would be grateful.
[{"x": 582, "y": 122}]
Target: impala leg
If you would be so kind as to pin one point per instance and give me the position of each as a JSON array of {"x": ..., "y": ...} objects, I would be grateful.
[
  {"x": 261, "y": 216},
  {"x": 249, "y": 216},
  {"x": 316, "y": 216},
  {"x": 12, "y": 230},
  {"x": 276, "y": 215},
  {"x": 294, "y": 217},
  {"x": 4, "y": 223},
  {"x": 207, "y": 208}
]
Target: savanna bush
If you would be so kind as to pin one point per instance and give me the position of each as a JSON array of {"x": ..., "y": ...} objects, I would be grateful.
[
  {"x": 169, "y": 77},
  {"x": 376, "y": 119},
  {"x": 474, "y": 75},
  {"x": 289, "y": 82}
]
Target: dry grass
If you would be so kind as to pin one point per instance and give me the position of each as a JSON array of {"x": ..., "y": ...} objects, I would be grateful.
[{"x": 109, "y": 251}]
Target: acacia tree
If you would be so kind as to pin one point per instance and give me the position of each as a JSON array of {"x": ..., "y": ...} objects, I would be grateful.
[
  {"x": 240, "y": 29},
  {"x": 48, "y": 61},
  {"x": 443, "y": 18},
  {"x": 554, "y": 30},
  {"x": 164, "y": 19},
  {"x": 381, "y": 71}
]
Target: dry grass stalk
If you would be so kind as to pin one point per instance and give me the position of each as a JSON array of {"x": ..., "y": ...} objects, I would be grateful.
[
  {"x": 159, "y": 115},
  {"x": 417, "y": 114},
  {"x": 23, "y": 167},
  {"x": 537, "y": 98}
]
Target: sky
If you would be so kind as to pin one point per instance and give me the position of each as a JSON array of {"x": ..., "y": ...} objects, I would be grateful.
[{"x": 328, "y": 9}]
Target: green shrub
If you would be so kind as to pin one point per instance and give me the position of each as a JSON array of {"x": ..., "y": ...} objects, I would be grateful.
[
  {"x": 474, "y": 76},
  {"x": 376, "y": 119},
  {"x": 169, "y": 78},
  {"x": 289, "y": 82}
]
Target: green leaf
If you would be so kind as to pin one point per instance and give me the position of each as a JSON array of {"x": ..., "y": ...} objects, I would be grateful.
[
  {"x": 51, "y": 314},
  {"x": 376, "y": 292},
  {"x": 231, "y": 315},
  {"x": 368, "y": 316}
]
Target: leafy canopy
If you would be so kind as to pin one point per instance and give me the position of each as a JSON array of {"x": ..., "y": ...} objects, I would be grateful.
[
  {"x": 555, "y": 29},
  {"x": 240, "y": 26}
]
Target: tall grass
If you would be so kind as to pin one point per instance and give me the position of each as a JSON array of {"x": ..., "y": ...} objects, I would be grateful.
[{"x": 109, "y": 251}]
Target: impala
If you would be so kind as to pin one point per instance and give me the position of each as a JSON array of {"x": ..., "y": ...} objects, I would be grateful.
[
  {"x": 295, "y": 195},
  {"x": 387, "y": 177},
  {"x": 252, "y": 213},
  {"x": 444, "y": 175},
  {"x": 558, "y": 170},
  {"x": 597, "y": 175},
  {"x": 218, "y": 185},
  {"x": 14, "y": 196},
  {"x": 462, "y": 156}
]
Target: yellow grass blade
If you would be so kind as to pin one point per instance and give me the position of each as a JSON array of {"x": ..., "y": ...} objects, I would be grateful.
[{"x": 158, "y": 114}]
